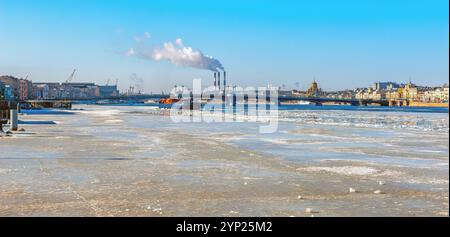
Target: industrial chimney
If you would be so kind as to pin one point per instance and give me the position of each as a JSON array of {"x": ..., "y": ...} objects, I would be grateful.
[
  {"x": 215, "y": 81},
  {"x": 224, "y": 80},
  {"x": 218, "y": 78}
]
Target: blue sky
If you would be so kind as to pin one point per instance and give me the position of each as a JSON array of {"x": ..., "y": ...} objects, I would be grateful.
[{"x": 343, "y": 44}]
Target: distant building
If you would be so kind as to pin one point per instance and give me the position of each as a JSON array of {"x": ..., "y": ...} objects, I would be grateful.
[
  {"x": 407, "y": 91},
  {"x": 54, "y": 89},
  {"x": 13, "y": 83},
  {"x": 22, "y": 89},
  {"x": 378, "y": 86},
  {"x": 370, "y": 94},
  {"x": 345, "y": 94},
  {"x": 80, "y": 85},
  {"x": 41, "y": 91},
  {"x": 51, "y": 90},
  {"x": 78, "y": 90},
  {"x": 435, "y": 95},
  {"x": 298, "y": 93},
  {"x": 107, "y": 91},
  {"x": 313, "y": 90},
  {"x": 9, "y": 94},
  {"x": 25, "y": 89}
]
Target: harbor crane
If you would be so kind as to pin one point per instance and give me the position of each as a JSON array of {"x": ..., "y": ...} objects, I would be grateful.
[
  {"x": 109, "y": 80},
  {"x": 71, "y": 76}
]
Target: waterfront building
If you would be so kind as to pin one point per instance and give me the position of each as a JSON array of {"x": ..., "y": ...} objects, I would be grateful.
[
  {"x": 51, "y": 90},
  {"x": 435, "y": 95},
  {"x": 9, "y": 94},
  {"x": 392, "y": 94},
  {"x": 41, "y": 91},
  {"x": 370, "y": 94},
  {"x": 445, "y": 93},
  {"x": 78, "y": 90},
  {"x": 54, "y": 89},
  {"x": 25, "y": 89},
  {"x": 18, "y": 88},
  {"x": 14, "y": 85},
  {"x": 408, "y": 92},
  {"x": 107, "y": 91},
  {"x": 298, "y": 93}
]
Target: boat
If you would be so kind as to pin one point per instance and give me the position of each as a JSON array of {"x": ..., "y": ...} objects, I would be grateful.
[{"x": 168, "y": 101}]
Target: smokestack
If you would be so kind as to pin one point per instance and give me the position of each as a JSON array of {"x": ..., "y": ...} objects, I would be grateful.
[
  {"x": 218, "y": 76},
  {"x": 224, "y": 80}
]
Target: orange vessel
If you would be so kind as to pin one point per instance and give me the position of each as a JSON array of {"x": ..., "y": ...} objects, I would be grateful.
[{"x": 169, "y": 101}]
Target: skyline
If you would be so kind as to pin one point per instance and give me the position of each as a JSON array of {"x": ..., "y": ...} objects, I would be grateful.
[{"x": 341, "y": 45}]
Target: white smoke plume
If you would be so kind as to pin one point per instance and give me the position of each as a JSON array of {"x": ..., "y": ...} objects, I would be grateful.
[
  {"x": 137, "y": 82},
  {"x": 179, "y": 54}
]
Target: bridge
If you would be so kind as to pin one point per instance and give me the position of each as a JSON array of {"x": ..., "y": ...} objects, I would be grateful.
[
  {"x": 320, "y": 100},
  {"x": 66, "y": 102},
  {"x": 120, "y": 97}
]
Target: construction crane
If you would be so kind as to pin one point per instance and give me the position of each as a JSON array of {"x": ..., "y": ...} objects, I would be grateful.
[
  {"x": 107, "y": 82},
  {"x": 71, "y": 76}
]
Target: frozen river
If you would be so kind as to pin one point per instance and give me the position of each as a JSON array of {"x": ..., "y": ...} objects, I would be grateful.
[{"x": 133, "y": 160}]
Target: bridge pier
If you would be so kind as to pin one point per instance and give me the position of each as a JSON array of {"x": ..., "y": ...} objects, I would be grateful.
[
  {"x": 14, "y": 119},
  {"x": 399, "y": 103}
]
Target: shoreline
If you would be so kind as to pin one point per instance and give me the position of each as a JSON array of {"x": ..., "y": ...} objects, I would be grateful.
[{"x": 430, "y": 105}]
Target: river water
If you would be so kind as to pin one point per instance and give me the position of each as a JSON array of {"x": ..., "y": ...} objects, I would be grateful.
[
  {"x": 416, "y": 137},
  {"x": 131, "y": 160}
]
